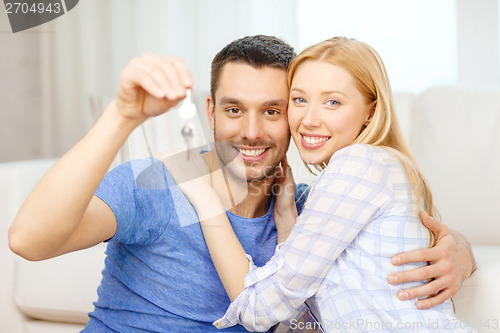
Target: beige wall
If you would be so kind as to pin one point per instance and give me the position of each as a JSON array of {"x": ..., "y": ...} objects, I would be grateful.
[
  {"x": 49, "y": 73},
  {"x": 20, "y": 94}
]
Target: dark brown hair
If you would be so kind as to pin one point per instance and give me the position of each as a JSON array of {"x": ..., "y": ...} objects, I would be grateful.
[{"x": 257, "y": 51}]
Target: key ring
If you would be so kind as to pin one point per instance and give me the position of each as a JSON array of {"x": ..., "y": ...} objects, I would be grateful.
[{"x": 187, "y": 111}]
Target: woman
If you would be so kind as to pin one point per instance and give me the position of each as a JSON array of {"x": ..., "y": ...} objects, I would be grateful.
[{"x": 362, "y": 209}]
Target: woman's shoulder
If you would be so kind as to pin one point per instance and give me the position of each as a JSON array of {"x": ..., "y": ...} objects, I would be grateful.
[
  {"x": 362, "y": 152},
  {"x": 359, "y": 161},
  {"x": 359, "y": 165}
]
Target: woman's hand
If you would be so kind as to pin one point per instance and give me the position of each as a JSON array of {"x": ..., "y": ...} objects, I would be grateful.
[
  {"x": 151, "y": 85},
  {"x": 285, "y": 210}
]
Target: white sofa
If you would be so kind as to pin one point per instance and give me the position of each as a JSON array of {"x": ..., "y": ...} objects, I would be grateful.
[{"x": 455, "y": 134}]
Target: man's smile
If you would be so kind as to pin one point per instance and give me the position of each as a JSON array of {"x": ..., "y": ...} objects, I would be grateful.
[{"x": 252, "y": 154}]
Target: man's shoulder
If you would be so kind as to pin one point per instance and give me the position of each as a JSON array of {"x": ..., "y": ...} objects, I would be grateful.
[
  {"x": 301, "y": 188},
  {"x": 146, "y": 174},
  {"x": 301, "y": 193}
]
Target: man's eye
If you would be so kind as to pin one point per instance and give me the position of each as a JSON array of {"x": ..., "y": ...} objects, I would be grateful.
[
  {"x": 234, "y": 110},
  {"x": 271, "y": 112},
  {"x": 332, "y": 102}
]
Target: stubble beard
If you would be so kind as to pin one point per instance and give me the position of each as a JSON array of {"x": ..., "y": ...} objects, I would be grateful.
[{"x": 241, "y": 170}]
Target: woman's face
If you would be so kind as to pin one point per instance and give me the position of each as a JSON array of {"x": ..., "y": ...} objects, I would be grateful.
[{"x": 326, "y": 111}]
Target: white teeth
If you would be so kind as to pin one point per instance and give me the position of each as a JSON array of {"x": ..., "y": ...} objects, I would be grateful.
[
  {"x": 314, "y": 140},
  {"x": 252, "y": 152}
]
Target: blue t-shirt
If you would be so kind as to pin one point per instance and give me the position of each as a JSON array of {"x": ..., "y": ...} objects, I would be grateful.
[{"x": 158, "y": 275}]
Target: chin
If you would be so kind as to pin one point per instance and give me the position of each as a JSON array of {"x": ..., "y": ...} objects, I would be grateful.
[
  {"x": 247, "y": 174},
  {"x": 260, "y": 175},
  {"x": 310, "y": 159}
]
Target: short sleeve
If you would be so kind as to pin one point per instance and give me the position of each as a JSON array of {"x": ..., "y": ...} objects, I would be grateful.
[{"x": 138, "y": 194}]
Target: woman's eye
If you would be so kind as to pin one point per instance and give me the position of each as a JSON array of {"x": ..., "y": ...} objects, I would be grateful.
[
  {"x": 299, "y": 100},
  {"x": 332, "y": 102}
]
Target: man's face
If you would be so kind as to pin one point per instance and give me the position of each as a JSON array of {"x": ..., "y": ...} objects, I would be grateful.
[{"x": 249, "y": 119}]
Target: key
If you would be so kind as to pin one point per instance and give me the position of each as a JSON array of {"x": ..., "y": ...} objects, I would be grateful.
[
  {"x": 188, "y": 134},
  {"x": 187, "y": 111}
]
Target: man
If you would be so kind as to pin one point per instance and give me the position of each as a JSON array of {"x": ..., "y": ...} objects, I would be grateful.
[{"x": 159, "y": 275}]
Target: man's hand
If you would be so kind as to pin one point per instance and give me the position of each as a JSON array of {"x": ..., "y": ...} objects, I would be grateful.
[
  {"x": 151, "y": 85},
  {"x": 450, "y": 263}
]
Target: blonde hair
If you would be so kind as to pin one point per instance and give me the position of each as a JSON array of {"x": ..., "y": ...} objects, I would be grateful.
[{"x": 370, "y": 77}]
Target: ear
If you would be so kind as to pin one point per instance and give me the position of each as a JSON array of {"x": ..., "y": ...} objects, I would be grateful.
[
  {"x": 371, "y": 112},
  {"x": 210, "y": 109}
]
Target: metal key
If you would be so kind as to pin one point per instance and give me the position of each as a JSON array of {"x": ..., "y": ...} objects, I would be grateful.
[
  {"x": 188, "y": 134},
  {"x": 187, "y": 111}
]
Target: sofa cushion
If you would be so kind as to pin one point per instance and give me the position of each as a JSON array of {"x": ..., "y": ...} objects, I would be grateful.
[
  {"x": 16, "y": 181},
  {"x": 477, "y": 301},
  {"x": 59, "y": 289},
  {"x": 456, "y": 140},
  {"x": 39, "y": 326},
  {"x": 404, "y": 104}
]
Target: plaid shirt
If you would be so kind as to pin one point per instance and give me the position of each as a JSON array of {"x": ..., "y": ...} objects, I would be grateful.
[{"x": 338, "y": 255}]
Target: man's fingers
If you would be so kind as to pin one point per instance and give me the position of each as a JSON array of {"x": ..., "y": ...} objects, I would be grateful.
[
  {"x": 169, "y": 75},
  {"x": 418, "y": 274},
  {"x": 427, "y": 220},
  {"x": 435, "y": 300},
  {"x": 171, "y": 72},
  {"x": 425, "y": 290},
  {"x": 421, "y": 255},
  {"x": 134, "y": 76},
  {"x": 164, "y": 74},
  {"x": 437, "y": 228},
  {"x": 154, "y": 73},
  {"x": 185, "y": 74}
]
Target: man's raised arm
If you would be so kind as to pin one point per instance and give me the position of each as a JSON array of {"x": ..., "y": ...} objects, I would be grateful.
[{"x": 62, "y": 214}]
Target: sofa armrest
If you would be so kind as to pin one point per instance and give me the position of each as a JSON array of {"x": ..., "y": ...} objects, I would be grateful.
[{"x": 17, "y": 179}]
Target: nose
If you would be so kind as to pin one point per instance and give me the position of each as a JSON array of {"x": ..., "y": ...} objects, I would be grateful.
[
  {"x": 310, "y": 118},
  {"x": 252, "y": 129}
]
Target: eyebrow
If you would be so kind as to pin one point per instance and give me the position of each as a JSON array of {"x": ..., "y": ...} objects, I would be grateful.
[
  {"x": 322, "y": 93},
  {"x": 275, "y": 102},
  {"x": 272, "y": 102},
  {"x": 229, "y": 100}
]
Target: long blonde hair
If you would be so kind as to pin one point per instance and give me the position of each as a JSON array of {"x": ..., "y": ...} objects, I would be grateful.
[{"x": 370, "y": 77}]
